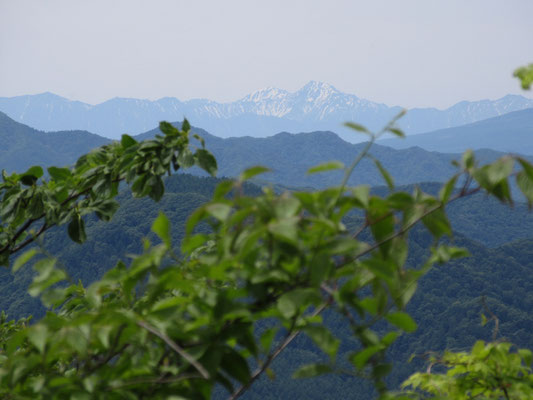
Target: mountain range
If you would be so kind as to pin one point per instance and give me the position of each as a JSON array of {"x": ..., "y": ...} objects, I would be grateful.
[
  {"x": 288, "y": 155},
  {"x": 510, "y": 133},
  {"x": 316, "y": 106},
  {"x": 446, "y": 307},
  {"x": 22, "y": 146}
]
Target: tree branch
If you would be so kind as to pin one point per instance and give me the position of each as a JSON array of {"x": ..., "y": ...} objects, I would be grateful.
[
  {"x": 409, "y": 226},
  {"x": 174, "y": 346},
  {"x": 272, "y": 356}
]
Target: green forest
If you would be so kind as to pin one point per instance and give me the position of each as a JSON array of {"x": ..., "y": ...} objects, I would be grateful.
[{"x": 146, "y": 282}]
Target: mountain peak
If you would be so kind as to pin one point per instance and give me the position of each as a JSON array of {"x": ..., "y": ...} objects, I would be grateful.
[
  {"x": 317, "y": 91},
  {"x": 317, "y": 86},
  {"x": 268, "y": 93}
]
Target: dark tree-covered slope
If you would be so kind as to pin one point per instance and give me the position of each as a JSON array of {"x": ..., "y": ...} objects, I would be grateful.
[
  {"x": 446, "y": 307},
  {"x": 288, "y": 155},
  {"x": 291, "y": 155},
  {"x": 22, "y": 146}
]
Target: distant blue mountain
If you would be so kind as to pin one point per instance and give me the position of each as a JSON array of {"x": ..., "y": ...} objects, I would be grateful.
[
  {"x": 509, "y": 133},
  {"x": 316, "y": 106}
]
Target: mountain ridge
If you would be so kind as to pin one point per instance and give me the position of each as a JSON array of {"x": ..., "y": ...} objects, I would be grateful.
[
  {"x": 511, "y": 132},
  {"x": 289, "y": 155},
  {"x": 316, "y": 106}
]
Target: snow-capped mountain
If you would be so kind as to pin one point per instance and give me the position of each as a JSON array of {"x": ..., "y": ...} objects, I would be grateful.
[{"x": 316, "y": 106}]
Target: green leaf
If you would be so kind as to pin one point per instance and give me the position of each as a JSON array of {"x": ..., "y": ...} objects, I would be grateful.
[
  {"x": 29, "y": 177},
  {"x": 397, "y": 132},
  {"x": 59, "y": 174},
  {"x": 267, "y": 337},
  {"x": 408, "y": 292},
  {"x": 251, "y": 172},
  {"x": 37, "y": 335},
  {"x": 161, "y": 227},
  {"x": 437, "y": 223},
  {"x": 446, "y": 190},
  {"x": 35, "y": 171},
  {"x": 157, "y": 188},
  {"x": 106, "y": 209},
  {"x": 311, "y": 371},
  {"x": 525, "y": 183},
  {"x": 384, "y": 173},
  {"x": 4, "y": 258},
  {"x": 360, "y": 359},
  {"x": 358, "y": 128},
  {"x": 286, "y": 206},
  {"x": 127, "y": 141},
  {"x": 526, "y": 355},
  {"x": 444, "y": 253},
  {"x": 235, "y": 365},
  {"x": 527, "y": 167},
  {"x": 47, "y": 276},
  {"x": 206, "y": 161},
  {"x": 468, "y": 160},
  {"x": 400, "y": 200},
  {"x": 200, "y": 139},
  {"x": 167, "y": 128},
  {"x": 402, "y": 320},
  {"x": 191, "y": 243},
  {"x": 489, "y": 176},
  {"x": 222, "y": 189},
  {"x": 324, "y": 339},
  {"x": 525, "y": 75},
  {"x": 389, "y": 338},
  {"x": 290, "y": 303},
  {"x": 478, "y": 347},
  {"x": 218, "y": 210},
  {"x": 185, "y": 126},
  {"x": 285, "y": 229},
  {"x": 76, "y": 229},
  {"x": 362, "y": 194},
  {"x": 23, "y": 259},
  {"x": 327, "y": 166}
]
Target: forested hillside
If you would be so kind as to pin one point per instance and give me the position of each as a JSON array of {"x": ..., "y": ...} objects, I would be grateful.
[
  {"x": 23, "y": 146},
  {"x": 288, "y": 155},
  {"x": 447, "y": 306}
]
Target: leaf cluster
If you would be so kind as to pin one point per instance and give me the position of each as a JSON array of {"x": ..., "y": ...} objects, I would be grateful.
[{"x": 33, "y": 202}]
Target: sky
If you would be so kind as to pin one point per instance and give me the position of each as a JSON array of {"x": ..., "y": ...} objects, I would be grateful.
[{"x": 413, "y": 53}]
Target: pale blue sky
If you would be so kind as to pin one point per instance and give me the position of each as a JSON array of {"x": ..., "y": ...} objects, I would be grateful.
[{"x": 409, "y": 52}]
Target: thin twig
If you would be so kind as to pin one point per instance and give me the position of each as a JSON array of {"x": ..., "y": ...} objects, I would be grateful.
[
  {"x": 272, "y": 356},
  {"x": 174, "y": 346},
  {"x": 45, "y": 226},
  {"x": 493, "y": 317},
  {"x": 30, "y": 240},
  {"x": 409, "y": 226},
  {"x": 159, "y": 380}
]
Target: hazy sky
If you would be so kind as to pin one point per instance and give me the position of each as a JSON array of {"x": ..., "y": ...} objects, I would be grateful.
[{"x": 409, "y": 52}]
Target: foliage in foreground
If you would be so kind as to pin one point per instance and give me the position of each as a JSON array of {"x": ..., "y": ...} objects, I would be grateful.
[
  {"x": 223, "y": 309},
  {"x": 489, "y": 371}
]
